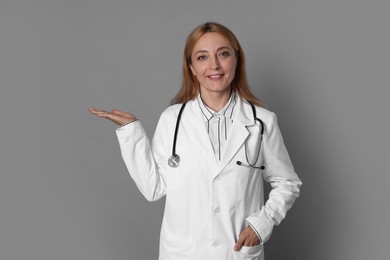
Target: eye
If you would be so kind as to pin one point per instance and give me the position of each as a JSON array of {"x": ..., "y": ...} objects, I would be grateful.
[
  {"x": 201, "y": 57},
  {"x": 224, "y": 54}
]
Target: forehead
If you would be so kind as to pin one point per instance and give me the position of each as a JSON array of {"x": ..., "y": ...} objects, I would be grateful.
[{"x": 210, "y": 41}]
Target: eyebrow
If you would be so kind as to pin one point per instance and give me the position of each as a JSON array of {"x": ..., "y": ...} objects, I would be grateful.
[{"x": 220, "y": 48}]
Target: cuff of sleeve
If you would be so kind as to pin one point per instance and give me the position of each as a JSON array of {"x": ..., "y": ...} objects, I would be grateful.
[
  {"x": 127, "y": 125},
  {"x": 250, "y": 225},
  {"x": 262, "y": 225}
]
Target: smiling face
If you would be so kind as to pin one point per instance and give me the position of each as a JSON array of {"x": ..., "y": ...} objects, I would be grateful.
[{"x": 213, "y": 62}]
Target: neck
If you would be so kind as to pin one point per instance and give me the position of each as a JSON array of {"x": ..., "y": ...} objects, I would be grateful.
[{"x": 215, "y": 100}]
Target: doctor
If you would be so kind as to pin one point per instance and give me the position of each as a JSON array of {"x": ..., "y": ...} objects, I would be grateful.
[{"x": 214, "y": 195}]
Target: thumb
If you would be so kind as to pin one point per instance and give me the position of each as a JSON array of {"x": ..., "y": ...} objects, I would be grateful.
[
  {"x": 123, "y": 114},
  {"x": 239, "y": 244}
]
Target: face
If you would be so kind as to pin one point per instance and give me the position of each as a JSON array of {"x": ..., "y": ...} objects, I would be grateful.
[{"x": 213, "y": 62}]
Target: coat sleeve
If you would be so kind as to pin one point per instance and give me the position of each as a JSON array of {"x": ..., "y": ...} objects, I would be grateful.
[
  {"x": 144, "y": 161},
  {"x": 285, "y": 184}
]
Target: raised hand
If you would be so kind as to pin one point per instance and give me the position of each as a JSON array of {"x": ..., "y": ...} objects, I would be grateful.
[{"x": 116, "y": 116}]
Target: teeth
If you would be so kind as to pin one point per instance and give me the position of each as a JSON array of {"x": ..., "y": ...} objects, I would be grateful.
[{"x": 215, "y": 76}]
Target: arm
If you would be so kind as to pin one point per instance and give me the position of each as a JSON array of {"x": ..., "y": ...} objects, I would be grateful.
[
  {"x": 138, "y": 153},
  {"x": 144, "y": 163},
  {"x": 283, "y": 179}
]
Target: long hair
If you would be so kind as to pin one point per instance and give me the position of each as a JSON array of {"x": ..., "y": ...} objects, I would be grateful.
[{"x": 190, "y": 85}]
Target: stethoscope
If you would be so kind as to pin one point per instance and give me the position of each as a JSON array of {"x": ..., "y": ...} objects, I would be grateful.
[{"x": 174, "y": 159}]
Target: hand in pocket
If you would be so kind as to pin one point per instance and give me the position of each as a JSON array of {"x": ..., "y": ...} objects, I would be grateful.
[{"x": 248, "y": 237}]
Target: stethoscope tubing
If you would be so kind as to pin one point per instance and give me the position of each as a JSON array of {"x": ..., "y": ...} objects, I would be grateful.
[
  {"x": 177, "y": 128},
  {"x": 174, "y": 159}
]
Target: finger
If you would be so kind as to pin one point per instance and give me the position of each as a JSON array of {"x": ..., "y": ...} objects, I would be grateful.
[
  {"x": 102, "y": 113},
  {"x": 99, "y": 112},
  {"x": 252, "y": 238},
  {"x": 121, "y": 113},
  {"x": 119, "y": 120},
  {"x": 239, "y": 243},
  {"x": 94, "y": 110},
  {"x": 115, "y": 118}
]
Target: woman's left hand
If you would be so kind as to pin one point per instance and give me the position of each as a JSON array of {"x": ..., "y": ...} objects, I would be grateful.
[{"x": 248, "y": 237}]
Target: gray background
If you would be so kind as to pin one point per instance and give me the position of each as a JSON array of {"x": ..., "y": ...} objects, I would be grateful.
[{"x": 322, "y": 66}]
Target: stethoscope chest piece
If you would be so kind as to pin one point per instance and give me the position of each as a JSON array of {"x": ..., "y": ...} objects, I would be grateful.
[{"x": 174, "y": 160}]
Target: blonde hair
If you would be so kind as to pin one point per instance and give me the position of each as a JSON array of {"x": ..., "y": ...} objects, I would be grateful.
[{"x": 190, "y": 85}]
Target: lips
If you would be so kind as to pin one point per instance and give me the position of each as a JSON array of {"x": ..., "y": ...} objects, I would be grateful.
[{"x": 215, "y": 76}]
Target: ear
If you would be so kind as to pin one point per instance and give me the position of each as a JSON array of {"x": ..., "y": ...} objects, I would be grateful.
[{"x": 192, "y": 69}]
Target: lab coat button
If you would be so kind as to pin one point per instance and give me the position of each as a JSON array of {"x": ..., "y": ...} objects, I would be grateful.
[
  {"x": 215, "y": 244},
  {"x": 216, "y": 210}
]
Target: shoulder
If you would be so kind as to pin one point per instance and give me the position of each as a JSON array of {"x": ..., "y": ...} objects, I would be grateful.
[
  {"x": 262, "y": 113},
  {"x": 174, "y": 110},
  {"x": 265, "y": 114},
  {"x": 171, "y": 112}
]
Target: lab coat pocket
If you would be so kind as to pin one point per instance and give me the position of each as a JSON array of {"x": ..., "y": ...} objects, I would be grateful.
[
  {"x": 250, "y": 252},
  {"x": 176, "y": 249}
]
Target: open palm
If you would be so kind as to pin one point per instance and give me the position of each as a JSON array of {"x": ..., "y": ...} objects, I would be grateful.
[{"x": 116, "y": 116}]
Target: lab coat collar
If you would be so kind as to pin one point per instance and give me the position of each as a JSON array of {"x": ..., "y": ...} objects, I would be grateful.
[
  {"x": 227, "y": 111},
  {"x": 242, "y": 117},
  {"x": 242, "y": 112}
]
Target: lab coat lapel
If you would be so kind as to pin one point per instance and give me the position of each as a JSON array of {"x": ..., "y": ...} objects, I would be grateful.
[
  {"x": 243, "y": 117},
  {"x": 236, "y": 139},
  {"x": 194, "y": 120}
]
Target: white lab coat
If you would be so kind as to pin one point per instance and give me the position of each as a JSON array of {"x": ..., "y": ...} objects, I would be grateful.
[{"x": 209, "y": 203}]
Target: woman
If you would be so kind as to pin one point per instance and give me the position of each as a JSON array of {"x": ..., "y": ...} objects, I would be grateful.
[{"x": 227, "y": 145}]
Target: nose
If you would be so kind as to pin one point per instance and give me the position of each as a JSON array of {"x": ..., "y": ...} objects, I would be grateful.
[{"x": 215, "y": 63}]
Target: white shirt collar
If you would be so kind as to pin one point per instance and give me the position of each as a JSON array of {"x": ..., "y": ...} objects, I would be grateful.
[{"x": 226, "y": 111}]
